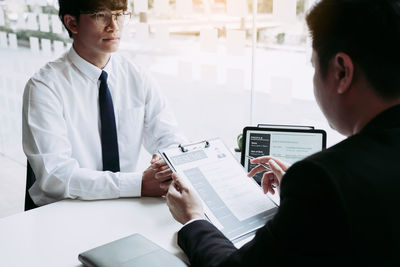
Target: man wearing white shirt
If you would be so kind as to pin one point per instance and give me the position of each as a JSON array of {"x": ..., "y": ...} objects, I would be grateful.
[{"x": 86, "y": 115}]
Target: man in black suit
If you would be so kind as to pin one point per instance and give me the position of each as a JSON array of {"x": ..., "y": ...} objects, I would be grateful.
[{"x": 341, "y": 206}]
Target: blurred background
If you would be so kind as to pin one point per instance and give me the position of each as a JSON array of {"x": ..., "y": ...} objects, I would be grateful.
[{"x": 222, "y": 64}]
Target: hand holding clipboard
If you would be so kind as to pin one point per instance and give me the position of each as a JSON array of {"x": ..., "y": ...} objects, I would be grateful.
[{"x": 234, "y": 203}]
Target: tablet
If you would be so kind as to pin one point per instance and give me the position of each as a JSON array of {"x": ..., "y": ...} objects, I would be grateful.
[{"x": 288, "y": 143}]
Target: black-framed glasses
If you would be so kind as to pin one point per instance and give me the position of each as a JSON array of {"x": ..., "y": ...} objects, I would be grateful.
[{"x": 103, "y": 18}]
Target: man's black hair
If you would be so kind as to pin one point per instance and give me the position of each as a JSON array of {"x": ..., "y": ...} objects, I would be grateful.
[
  {"x": 368, "y": 31},
  {"x": 77, "y": 7}
]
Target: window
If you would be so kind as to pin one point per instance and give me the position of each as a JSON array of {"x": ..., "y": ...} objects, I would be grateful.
[{"x": 217, "y": 77}]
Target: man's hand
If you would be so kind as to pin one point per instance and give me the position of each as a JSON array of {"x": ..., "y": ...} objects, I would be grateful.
[
  {"x": 156, "y": 178},
  {"x": 183, "y": 203},
  {"x": 273, "y": 177}
]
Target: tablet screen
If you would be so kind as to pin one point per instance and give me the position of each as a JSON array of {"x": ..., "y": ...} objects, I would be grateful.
[{"x": 287, "y": 145}]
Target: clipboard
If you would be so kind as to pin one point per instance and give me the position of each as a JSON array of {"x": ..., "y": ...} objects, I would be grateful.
[
  {"x": 233, "y": 202},
  {"x": 289, "y": 143}
]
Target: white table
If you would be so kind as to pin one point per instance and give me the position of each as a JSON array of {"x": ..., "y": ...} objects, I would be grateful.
[{"x": 55, "y": 234}]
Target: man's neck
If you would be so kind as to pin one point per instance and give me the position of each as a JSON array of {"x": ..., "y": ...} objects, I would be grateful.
[
  {"x": 100, "y": 60},
  {"x": 371, "y": 111}
]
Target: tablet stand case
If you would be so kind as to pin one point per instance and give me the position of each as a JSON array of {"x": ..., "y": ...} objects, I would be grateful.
[{"x": 133, "y": 250}]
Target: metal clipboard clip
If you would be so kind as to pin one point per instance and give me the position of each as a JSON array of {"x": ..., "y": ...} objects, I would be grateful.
[
  {"x": 194, "y": 146},
  {"x": 298, "y": 127}
]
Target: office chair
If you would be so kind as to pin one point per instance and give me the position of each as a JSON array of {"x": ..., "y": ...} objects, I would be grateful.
[{"x": 30, "y": 179}]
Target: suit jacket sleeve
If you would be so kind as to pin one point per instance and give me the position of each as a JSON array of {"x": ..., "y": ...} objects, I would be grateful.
[{"x": 298, "y": 233}]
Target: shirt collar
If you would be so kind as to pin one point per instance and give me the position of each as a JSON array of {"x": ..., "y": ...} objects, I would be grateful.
[{"x": 87, "y": 68}]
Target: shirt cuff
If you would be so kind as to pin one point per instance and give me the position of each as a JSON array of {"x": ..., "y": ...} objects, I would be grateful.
[{"x": 130, "y": 184}]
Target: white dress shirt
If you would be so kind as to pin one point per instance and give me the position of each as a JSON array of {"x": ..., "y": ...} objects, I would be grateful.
[{"x": 61, "y": 128}]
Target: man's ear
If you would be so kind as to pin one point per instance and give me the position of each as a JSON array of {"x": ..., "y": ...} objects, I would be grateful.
[
  {"x": 344, "y": 72},
  {"x": 71, "y": 23}
]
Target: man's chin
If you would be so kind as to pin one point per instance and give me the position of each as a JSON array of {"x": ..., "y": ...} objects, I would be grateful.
[{"x": 111, "y": 47}]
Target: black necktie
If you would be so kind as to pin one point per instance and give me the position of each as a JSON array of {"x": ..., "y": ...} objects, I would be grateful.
[{"x": 109, "y": 139}]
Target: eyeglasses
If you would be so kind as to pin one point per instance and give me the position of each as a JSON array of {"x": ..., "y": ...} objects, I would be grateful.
[{"x": 103, "y": 18}]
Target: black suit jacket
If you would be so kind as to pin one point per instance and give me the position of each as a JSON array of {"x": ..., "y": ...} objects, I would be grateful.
[{"x": 339, "y": 207}]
